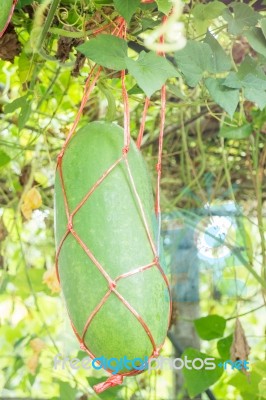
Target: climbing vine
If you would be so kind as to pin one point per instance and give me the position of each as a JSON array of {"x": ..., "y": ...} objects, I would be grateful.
[{"x": 213, "y": 155}]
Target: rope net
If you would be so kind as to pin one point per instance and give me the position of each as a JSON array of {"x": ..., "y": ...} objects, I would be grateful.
[{"x": 113, "y": 380}]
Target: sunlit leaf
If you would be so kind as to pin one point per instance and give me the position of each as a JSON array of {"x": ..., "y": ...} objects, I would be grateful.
[
  {"x": 15, "y": 104},
  {"x": 67, "y": 392},
  {"x": 198, "y": 380},
  {"x": 164, "y": 6},
  {"x": 224, "y": 345},
  {"x": 4, "y": 158},
  {"x": 210, "y": 327}
]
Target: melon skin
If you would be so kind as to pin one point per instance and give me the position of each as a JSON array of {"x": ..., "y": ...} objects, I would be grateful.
[
  {"x": 6, "y": 7},
  {"x": 111, "y": 226}
]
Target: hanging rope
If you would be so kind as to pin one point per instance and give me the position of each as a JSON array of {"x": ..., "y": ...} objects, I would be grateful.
[{"x": 113, "y": 380}]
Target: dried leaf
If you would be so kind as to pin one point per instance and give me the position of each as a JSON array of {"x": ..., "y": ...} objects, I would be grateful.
[
  {"x": 240, "y": 49},
  {"x": 37, "y": 345},
  {"x": 240, "y": 349},
  {"x": 26, "y": 211},
  {"x": 3, "y": 230},
  {"x": 31, "y": 201},
  {"x": 25, "y": 174},
  {"x": 1, "y": 262},
  {"x": 51, "y": 280},
  {"x": 32, "y": 363},
  {"x": 80, "y": 61},
  {"x": 175, "y": 312},
  {"x": 33, "y": 198},
  {"x": 9, "y": 46}
]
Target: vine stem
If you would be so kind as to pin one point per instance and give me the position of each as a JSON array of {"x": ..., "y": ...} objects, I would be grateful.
[
  {"x": 259, "y": 180},
  {"x": 227, "y": 171},
  {"x": 47, "y": 24},
  {"x": 246, "y": 313}
]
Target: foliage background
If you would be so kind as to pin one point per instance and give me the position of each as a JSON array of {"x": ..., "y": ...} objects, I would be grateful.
[{"x": 214, "y": 152}]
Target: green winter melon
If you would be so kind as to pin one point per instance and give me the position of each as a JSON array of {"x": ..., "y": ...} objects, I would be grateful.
[
  {"x": 111, "y": 226},
  {"x": 5, "y": 11}
]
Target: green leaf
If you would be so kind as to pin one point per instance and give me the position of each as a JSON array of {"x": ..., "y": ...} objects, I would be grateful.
[
  {"x": 5, "y": 10},
  {"x": 254, "y": 80},
  {"x": 147, "y": 23},
  {"x": 249, "y": 75},
  {"x": 238, "y": 133},
  {"x": 66, "y": 391},
  {"x": 164, "y": 6},
  {"x": 25, "y": 68},
  {"x": 247, "y": 66},
  {"x": 135, "y": 90},
  {"x": 263, "y": 26},
  {"x": 208, "y": 11},
  {"x": 4, "y": 158},
  {"x": 262, "y": 388},
  {"x": 194, "y": 60},
  {"x": 176, "y": 91},
  {"x": 233, "y": 81},
  {"x": 106, "y": 50},
  {"x": 103, "y": 2},
  {"x": 24, "y": 115},
  {"x": 21, "y": 284},
  {"x": 111, "y": 109},
  {"x": 257, "y": 40},
  {"x": 210, "y": 327},
  {"x": 244, "y": 17},
  {"x": 259, "y": 367},
  {"x": 257, "y": 96},
  {"x": 126, "y": 8},
  {"x": 25, "y": 111},
  {"x": 15, "y": 104},
  {"x": 224, "y": 345},
  {"x": 244, "y": 385},
  {"x": 205, "y": 13},
  {"x": 23, "y": 3},
  {"x": 221, "y": 61},
  {"x": 226, "y": 98},
  {"x": 198, "y": 380},
  {"x": 150, "y": 71}
]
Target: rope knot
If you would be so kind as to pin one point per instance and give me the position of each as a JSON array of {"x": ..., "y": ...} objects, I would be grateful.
[
  {"x": 159, "y": 167},
  {"x": 114, "y": 380},
  {"x": 60, "y": 156},
  {"x": 125, "y": 150},
  {"x": 156, "y": 260},
  {"x": 82, "y": 346},
  {"x": 70, "y": 223},
  {"x": 156, "y": 353},
  {"x": 112, "y": 285}
]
